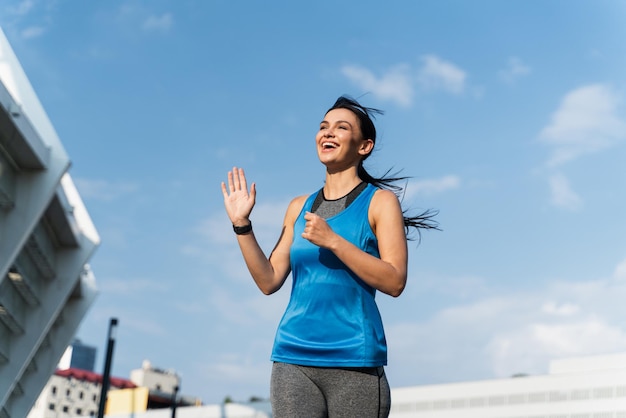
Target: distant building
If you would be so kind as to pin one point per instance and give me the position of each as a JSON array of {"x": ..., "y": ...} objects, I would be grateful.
[
  {"x": 155, "y": 389},
  {"x": 157, "y": 380},
  {"x": 73, "y": 392},
  {"x": 46, "y": 241},
  {"x": 587, "y": 387},
  {"x": 78, "y": 356}
]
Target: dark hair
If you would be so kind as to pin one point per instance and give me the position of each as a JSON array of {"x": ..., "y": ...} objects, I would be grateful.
[{"x": 423, "y": 220}]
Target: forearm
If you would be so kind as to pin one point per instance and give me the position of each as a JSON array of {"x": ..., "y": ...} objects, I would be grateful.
[
  {"x": 378, "y": 273},
  {"x": 259, "y": 265}
]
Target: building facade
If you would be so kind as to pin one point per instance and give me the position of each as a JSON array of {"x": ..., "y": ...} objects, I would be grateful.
[
  {"x": 46, "y": 241},
  {"x": 156, "y": 389},
  {"x": 155, "y": 379},
  {"x": 589, "y": 387},
  {"x": 73, "y": 393}
]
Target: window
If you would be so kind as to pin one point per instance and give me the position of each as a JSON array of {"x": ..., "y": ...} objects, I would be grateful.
[
  {"x": 51, "y": 407},
  {"x": 66, "y": 408},
  {"x": 54, "y": 390},
  {"x": 81, "y": 395},
  {"x": 79, "y": 411}
]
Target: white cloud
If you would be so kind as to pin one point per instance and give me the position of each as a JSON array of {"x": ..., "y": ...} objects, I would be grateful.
[
  {"x": 620, "y": 271},
  {"x": 19, "y": 11},
  {"x": 401, "y": 81},
  {"x": 564, "y": 309},
  {"x": 267, "y": 217},
  {"x": 513, "y": 332},
  {"x": 534, "y": 345},
  {"x": 394, "y": 85},
  {"x": 213, "y": 240},
  {"x": 438, "y": 74},
  {"x": 253, "y": 308},
  {"x": 130, "y": 287},
  {"x": 32, "y": 32},
  {"x": 104, "y": 190},
  {"x": 159, "y": 23},
  {"x": 22, "y": 8},
  {"x": 562, "y": 194},
  {"x": 432, "y": 186},
  {"x": 586, "y": 121},
  {"x": 515, "y": 69}
]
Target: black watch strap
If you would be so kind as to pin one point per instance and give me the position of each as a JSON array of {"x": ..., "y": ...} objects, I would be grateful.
[{"x": 240, "y": 230}]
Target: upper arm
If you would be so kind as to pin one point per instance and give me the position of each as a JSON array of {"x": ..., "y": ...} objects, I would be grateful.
[{"x": 387, "y": 222}]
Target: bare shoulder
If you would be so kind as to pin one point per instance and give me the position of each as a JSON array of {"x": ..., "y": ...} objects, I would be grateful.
[
  {"x": 385, "y": 199},
  {"x": 385, "y": 207},
  {"x": 295, "y": 207},
  {"x": 386, "y": 218}
]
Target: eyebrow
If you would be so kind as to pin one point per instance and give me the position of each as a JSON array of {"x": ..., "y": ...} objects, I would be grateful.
[{"x": 339, "y": 121}]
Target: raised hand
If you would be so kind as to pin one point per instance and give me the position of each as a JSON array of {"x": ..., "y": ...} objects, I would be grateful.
[{"x": 237, "y": 199}]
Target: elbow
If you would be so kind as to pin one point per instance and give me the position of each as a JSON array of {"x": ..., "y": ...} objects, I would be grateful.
[
  {"x": 396, "y": 292},
  {"x": 397, "y": 289},
  {"x": 267, "y": 290}
]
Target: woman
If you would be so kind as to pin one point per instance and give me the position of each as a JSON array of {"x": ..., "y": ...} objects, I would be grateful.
[{"x": 340, "y": 244}]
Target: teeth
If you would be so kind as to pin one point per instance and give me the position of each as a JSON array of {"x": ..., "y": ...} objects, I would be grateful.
[{"x": 328, "y": 145}]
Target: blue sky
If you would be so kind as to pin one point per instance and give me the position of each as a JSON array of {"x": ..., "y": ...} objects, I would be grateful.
[{"x": 508, "y": 116}]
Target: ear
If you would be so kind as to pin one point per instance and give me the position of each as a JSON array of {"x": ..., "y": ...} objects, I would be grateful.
[{"x": 366, "y": 147}]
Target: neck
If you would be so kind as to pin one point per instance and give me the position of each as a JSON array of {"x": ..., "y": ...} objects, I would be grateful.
[{"x": 339, "y": 184}]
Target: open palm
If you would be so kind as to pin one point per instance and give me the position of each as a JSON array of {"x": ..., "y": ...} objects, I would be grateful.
[{"x": 237, "y": 199}]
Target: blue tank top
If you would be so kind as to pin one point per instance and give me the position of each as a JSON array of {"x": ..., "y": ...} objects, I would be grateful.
[{"x": 332, "y": 319}]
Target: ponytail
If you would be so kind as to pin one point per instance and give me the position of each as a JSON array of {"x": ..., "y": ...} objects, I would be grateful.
[{"x": 423, "y": 220}]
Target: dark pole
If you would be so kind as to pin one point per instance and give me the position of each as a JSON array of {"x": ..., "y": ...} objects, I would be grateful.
[
  {"x": 174, "y": 401},
  {"x": 107, "y": 367}
]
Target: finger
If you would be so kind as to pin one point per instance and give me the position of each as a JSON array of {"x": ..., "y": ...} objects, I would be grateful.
[
  {"x": 242, "y": 180},
  {"x": 224, "y": 192},
  {"x": 231, "y": 182},
  {"x": 236, "y": 180}
]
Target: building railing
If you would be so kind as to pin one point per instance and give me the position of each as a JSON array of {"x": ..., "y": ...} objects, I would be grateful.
[
  {"x": 7, "y": 182},
  {"x": 41, "y": 251}
]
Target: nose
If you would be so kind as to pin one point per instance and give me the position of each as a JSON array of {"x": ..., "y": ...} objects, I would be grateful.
[{"x": 329, "y": 133}]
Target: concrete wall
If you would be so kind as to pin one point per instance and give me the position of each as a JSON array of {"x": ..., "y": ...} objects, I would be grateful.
[{"x": 46, "y": 241}]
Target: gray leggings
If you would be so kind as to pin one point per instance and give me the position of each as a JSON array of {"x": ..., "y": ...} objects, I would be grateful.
[{"x": 320, "y": 392}]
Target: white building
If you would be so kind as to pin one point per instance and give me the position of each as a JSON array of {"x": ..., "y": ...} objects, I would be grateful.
[
  {"x": 73, "y": 393},
  {"x": 589, "y": 387},
  {"x": 157, "y": 380},
  {"x": 46, "y": 240}
]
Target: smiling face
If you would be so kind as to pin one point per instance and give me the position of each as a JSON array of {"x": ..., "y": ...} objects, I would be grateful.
[{"x": 339, "y": 140}]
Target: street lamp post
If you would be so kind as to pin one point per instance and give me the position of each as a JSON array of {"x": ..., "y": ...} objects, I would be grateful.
[
  {"x": 107, "y": 367},
  {"x": 174, "y": 401}
]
